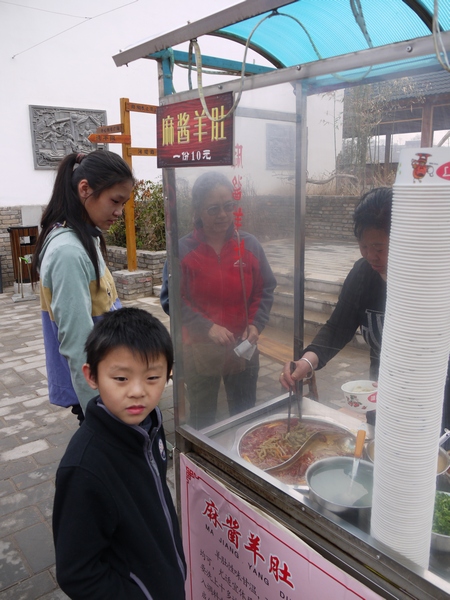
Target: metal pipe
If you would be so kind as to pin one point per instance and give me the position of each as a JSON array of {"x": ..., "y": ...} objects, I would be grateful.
[
  {"x": 223, "y": 18},
  {"x": 400, "y": 51}
]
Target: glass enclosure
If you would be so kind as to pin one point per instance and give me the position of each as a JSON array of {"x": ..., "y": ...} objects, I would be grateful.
[
  {"x": 236, "y": 226},
  {"x": 258, "y": 255}
]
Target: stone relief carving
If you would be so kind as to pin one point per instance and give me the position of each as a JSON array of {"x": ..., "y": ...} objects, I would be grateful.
[
  {"x": 58, "y": 131},
  {"x": 280, "y": 146}
]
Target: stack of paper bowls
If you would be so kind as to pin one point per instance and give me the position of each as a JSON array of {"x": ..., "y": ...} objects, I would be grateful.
[{"x": 414, "y": 356}]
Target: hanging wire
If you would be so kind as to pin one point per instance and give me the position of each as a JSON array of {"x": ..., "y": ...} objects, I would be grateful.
[
  {"x": 205, "y": 71},
  {"x": 193, "y": 45},
  {"x": 439, "y": 48},
  {"x": 319, "y": 56},
  {"x": 190, "y": 65},
  {"x": 85, "y": 19},
  {"x": 357, "y": 11},
  {"x": 356, "y": 7},
  {"x": 198, "y": 60},
  {"x": 359, "y": 17}
]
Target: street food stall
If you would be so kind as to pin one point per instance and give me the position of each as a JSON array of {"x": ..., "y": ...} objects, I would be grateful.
[{"x": 339, "y": 88}]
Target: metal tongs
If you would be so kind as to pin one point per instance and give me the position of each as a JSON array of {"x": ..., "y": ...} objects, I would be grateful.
[{"x": 299, "y": 400}]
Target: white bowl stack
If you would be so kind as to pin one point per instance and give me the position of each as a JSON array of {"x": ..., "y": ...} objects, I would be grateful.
[{"x": 414, "y": 356}]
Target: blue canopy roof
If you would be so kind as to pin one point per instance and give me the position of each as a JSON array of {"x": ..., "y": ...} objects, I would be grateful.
[{"x": 308, "y": 30}]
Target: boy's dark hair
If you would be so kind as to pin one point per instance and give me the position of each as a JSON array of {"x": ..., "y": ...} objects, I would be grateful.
[
  {"x": 103, "y": 170},
  {"x": 131, "y": 328},
  {"x": 373, "y": 211}
]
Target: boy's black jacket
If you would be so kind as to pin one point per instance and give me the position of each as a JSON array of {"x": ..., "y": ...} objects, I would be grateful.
[{"x": 115, "y": 528}]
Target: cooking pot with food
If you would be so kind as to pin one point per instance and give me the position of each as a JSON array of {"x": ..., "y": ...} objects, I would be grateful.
[{"x": 286, "y": 452}]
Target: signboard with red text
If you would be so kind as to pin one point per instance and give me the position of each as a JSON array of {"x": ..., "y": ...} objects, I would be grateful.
[
  {"x": 235, "y": 551},
  {"x": 186, "y": 137}
]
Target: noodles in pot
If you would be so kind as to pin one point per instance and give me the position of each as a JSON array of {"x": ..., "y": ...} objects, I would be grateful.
[{"x": 269, "y": 444}]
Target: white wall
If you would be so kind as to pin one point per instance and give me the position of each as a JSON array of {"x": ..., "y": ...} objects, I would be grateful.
[
  {"x": 75, "y": 69},
  {"x": 51, "y": 55}
]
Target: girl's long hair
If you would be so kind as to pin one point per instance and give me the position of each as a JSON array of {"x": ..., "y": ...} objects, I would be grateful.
[{"x": 102, "y": 169}]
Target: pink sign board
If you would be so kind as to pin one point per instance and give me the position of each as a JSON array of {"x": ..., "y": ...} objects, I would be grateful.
[{"x": 236, "y": 552}]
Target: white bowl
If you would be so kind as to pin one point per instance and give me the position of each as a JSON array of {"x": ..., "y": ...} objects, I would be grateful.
[{"x": 360, "y": 395}]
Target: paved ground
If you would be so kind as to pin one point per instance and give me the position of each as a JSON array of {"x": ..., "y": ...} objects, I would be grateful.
[{"x": 34, "y": 435}]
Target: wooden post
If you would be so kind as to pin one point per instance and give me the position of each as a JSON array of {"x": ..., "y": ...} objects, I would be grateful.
[
  {"x": 387, "y": 154},
  {"x": 130, "y": 231},
  {"x": 426, "y": 139}
]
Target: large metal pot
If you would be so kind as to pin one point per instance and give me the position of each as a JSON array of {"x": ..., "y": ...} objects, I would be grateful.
[
  {"x": 443, "y": 457},
  {"x": 330, "y": 484},
  {"x": 313, "y": 423},
  {"x": 439, "y": 542}
]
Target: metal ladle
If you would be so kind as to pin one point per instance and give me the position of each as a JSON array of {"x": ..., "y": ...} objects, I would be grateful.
[
  {"x": 343, "y": 439},
  {"x": 360, "y": 439}
]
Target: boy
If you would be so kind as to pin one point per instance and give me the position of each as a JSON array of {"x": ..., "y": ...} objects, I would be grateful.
[{"x": 115, "y": 528}]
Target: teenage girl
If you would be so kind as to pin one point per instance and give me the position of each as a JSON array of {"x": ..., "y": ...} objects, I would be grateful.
[{"x": 76, "y": 287}]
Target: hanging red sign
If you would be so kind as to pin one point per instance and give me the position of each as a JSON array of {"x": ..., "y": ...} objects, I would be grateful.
[{"x": 186, "y": 136}]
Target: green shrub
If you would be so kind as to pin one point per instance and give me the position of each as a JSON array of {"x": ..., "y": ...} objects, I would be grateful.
[{"x": 148, "y": 219}]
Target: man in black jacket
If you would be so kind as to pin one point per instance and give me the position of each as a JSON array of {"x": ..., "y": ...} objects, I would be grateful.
[{"x": 115, "y": 528}]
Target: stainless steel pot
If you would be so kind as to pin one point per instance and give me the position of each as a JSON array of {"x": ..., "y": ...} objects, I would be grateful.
[
  {"x": 439, "y": 542},
  {"x": 443, "y": 457},
  {"x": 330, "y": 484}
]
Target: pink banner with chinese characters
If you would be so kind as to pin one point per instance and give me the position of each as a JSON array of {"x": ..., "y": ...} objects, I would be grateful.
[
  {"x": 235, "y": 552},
  {"x": 187, "y": 137}
]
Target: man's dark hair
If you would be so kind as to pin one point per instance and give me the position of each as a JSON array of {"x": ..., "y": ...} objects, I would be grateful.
[
  {"x": 131, "y": 328},
  {"x": 373, "y": 211}
]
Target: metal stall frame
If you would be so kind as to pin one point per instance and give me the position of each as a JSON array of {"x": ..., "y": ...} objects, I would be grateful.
[{"x": 343, "y": 543}]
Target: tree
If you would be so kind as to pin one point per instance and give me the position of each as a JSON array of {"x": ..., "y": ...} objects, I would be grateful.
[
  {"x": 148, "y": 219},
  {"x": 366, "y": 107}
]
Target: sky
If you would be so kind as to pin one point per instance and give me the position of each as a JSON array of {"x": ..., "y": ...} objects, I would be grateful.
[
  {"x": 59, "y": 53},
  {"x": 128, "y": 22}
]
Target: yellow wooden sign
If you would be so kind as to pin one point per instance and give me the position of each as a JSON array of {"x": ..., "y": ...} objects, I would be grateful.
[
  {"x": 110, "y": 128},
  {"x": 137, "y": 107},
  {"x": 141, "y": 151},
  {"x": 103, "y": 138}
]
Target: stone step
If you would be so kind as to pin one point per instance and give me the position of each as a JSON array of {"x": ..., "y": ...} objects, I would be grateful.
[
  {"x": 321, "y": 302},
  {"x": 323, "y": 285},
  {"x": 281, "y": 317},
  {"x": 285, "y": 281},
  {"x": 314, "y": 300}
]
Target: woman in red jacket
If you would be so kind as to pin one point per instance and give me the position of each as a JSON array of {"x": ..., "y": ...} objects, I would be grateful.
[{"x": 227, "y": 294}]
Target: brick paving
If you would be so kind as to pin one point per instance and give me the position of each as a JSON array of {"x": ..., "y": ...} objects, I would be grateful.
[
  {"x": 34, "y": 435},
  {"x": 33, "y": 438}
]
